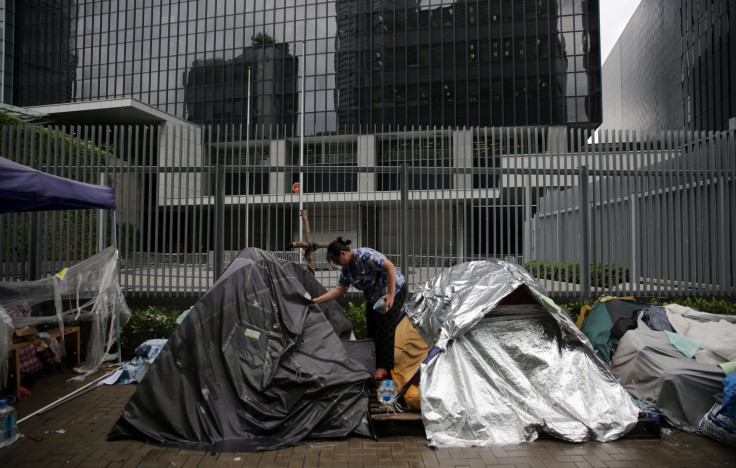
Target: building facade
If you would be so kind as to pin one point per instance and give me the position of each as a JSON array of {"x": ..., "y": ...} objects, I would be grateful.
[
  {"x": 374, "y": 84},
  {"x": 673, "y": 68},
  {"x": 368, "y": 64},
  {"x": 44, "y": 51}
]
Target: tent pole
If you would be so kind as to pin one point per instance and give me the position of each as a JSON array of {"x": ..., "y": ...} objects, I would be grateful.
[
  {"x": 34, "y": 260},
  {"x": 68, "y": 397},
  {"x": 115, "y": 304}
]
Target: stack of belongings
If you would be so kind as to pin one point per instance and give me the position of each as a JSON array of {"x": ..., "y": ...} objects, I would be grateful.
[
  {"x": 720, "y": 422},
  {"x": 145, "y": 354},
  {"x": 674, "y": 360},
  {"x": 504, "y": 363}
]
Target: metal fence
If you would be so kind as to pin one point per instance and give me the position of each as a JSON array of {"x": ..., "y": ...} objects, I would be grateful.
[{"x": 658, "y": 217}]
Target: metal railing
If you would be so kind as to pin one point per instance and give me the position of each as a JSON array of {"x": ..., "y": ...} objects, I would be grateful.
[{"x": 657, "y": 216}]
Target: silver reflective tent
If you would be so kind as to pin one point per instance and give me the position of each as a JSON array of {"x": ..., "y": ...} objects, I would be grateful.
[{"x": 511, "y": 363}]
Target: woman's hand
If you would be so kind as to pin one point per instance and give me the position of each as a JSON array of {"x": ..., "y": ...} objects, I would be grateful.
[
  {"x": 389, "y": 298},
  {"x": 335, "y": 293}
]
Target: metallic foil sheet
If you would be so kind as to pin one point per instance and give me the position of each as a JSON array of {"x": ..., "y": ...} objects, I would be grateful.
[{"x": 508, "y": 372}]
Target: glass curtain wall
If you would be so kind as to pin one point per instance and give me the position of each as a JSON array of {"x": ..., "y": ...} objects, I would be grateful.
[{"x": 367, "y": 65}]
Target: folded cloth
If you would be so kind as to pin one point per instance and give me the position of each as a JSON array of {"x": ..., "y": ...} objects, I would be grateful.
[
  {"x": 728, "y": 367},
  {"x": 686, "y": 346}
]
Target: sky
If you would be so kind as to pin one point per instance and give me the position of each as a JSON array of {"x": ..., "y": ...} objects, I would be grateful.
[{"x": 615, "y": 14}]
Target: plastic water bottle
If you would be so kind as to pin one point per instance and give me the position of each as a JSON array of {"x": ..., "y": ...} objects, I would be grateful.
[
  {"x": 387, "y": 392},
  {"x": 9, "y": 428}
]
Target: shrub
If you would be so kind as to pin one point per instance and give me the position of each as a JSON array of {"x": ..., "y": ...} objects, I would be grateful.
[
  {"x": 573, "y": 308},
  {"x": 356, "y": 315},
  {"x": 146, "y": 324},
  {"x": 601, "y": 275},
  {"x": 704, "y": 304},
  {"x": 707, "y": 304}
]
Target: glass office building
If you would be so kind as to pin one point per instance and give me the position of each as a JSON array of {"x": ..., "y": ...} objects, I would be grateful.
[
  {"x": 673, "y": 68},
  {"x": 364, "y": 65},
  {"x": 43, "y": 52}
]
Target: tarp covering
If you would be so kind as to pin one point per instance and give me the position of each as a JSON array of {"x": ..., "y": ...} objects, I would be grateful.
[
  {"x": 513, "y": 363},
  {"x": 255, "y": 365},
  {"x": 26, "y": 189},
  {"x": 715, "y": 334},
  {"x": 409, "y": 352},
  {"x": 677, "y": 373},
  {"x": 654, "y": 371}
]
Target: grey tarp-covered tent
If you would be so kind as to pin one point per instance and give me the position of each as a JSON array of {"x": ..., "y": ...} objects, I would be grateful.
[
  {"x": 256, "y": 365},
  {"x": 512, "y": 363},
  {"x": 653, "y": 370}
]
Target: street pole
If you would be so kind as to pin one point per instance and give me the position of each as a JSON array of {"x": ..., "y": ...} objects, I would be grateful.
[
  {"x": 247, "y": 165},
  {"x": 301, "y": 143}
]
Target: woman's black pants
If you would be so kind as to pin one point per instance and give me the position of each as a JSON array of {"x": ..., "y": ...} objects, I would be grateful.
[{"x": 381, "y": 327}]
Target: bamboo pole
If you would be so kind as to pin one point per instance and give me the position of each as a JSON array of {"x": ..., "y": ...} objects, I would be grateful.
[{"x": 308, "y": 246}]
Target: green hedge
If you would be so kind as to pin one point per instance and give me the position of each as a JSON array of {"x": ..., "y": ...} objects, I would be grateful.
[
  {"x": 601, "y": 275},
  {"x": 707, "y": 304},
  {"x": 711, "y": 305},
  {"x": 356, "y": 315}
]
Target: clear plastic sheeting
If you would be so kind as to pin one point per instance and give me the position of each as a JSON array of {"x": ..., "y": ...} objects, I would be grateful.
[
  {"x": 88, "y": 290},
  {"x": 6, "y": 335},
  {"x": 513, "y": 364}
]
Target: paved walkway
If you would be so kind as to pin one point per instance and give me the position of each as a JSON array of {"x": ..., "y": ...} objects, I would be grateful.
[{"x": 74, "y": 434}]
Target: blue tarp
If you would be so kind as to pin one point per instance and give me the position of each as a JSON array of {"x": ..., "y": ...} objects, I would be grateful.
[{"x": 26, "y": 189}]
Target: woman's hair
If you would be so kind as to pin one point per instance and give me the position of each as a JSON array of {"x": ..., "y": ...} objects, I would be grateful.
[{"x": 337, "y": 246}]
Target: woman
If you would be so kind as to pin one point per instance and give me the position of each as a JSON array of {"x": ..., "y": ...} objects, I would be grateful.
[{"x": 378, "y": 278}]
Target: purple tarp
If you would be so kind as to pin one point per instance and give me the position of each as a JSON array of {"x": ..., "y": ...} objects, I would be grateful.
[{"x": 26, "y": 189}]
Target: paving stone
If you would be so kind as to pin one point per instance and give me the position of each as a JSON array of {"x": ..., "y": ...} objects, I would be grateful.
[{"x": 86, "y": 421}]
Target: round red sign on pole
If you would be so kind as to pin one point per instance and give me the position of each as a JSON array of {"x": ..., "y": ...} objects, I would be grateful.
[{"x": 295, "y": 187}]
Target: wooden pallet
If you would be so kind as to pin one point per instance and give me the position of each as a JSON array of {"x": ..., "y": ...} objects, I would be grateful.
[{"x": 402, "y": 423}]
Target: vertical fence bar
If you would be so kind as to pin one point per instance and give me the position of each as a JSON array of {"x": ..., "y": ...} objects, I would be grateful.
[
  {"x": 218, "y": 231},
  {"x": 158, "y": 193},
  {"x": 584, "y": 229},
  {"x": 712, "y": 184},
  {"x": 730, "y": 219},
  {"x": 722, "y": 217},
  {"x": 679, "y": 189},
  {"x": 667, "y": 189},
  {"x": 404, "y": 230}
]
